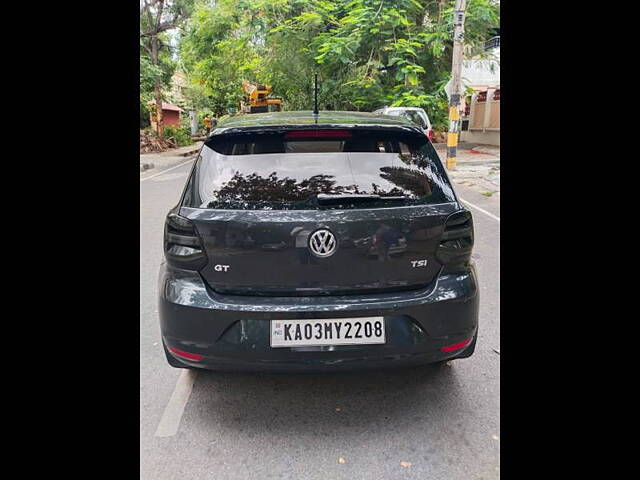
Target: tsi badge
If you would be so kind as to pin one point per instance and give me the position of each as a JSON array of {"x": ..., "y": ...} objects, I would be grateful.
[
  {"x": 418, "y": 263},
  {"x": 221, "y": 268}
]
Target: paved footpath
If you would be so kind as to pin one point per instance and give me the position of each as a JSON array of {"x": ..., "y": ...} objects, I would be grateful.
[
  {"x": 155, "y": 162},
  {"x": 420, "y": 423},
  {"x": 478, "y": 167}
]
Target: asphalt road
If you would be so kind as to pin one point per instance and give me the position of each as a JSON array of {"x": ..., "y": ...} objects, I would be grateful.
[{"x": 441, "y": 423}]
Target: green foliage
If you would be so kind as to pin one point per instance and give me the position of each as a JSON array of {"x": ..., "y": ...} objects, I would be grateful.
[
  {"x": 144, "y": 116},
  {"x": 181, "y": 135},
  {"x": 368, "y": 53},
  {"x": 157, "y": 18},
  {"x": 185, "y": 123},
  {"x": 149, "y": 73}
]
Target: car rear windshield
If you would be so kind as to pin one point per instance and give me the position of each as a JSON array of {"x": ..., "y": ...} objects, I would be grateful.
[
  {"x": 415, "y": 117},
  {"x": 317, "y": 169}
]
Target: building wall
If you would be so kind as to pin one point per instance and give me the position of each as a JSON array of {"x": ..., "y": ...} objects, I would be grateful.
[
  {"x": 170, "y": 117},
  {"x": 178, "y": 85},
  {"x": 484, "y": 120}
]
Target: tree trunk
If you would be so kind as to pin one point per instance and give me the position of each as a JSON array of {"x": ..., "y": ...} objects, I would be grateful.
[
  {"x": 159, "y": 118},
  {"x": 157, "y": 91}
]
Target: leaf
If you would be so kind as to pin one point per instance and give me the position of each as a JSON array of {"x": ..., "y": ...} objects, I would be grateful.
[
  {"x": 341, "y": 460},
  {"x": 405, "y": 464}
]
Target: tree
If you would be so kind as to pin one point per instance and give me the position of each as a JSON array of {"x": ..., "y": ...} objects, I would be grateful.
[
  {"x": 156, "y": 18},
  {"x": 222, "y": 46},
  {"x": 368, "y": 53}
]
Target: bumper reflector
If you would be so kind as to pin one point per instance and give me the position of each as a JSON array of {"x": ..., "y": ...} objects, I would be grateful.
[
  {"x": 189, "y": 356},
  {"x": 456, "y": 346}
]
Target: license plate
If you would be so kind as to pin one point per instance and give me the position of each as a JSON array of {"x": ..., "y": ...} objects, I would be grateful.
[{"x": 327, "y": 331}]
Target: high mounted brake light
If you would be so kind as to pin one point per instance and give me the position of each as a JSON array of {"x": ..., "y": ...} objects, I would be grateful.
[{"x": 333, "y": 134}]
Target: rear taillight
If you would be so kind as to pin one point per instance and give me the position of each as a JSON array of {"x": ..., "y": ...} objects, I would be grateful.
[
  {"x": 182, "y": 245},
  {"x": 456, "y": 243},
  {"x": 430, "y": 135}
]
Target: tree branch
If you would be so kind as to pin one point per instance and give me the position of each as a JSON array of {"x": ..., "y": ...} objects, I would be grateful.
[
  {"x": 146, "y": 48},
  {"x": 149, "y": 15},
  {"x": 378, "y": 12},
  {"x": 164, "y": 26},
  {"x": 159, "y": 15}
]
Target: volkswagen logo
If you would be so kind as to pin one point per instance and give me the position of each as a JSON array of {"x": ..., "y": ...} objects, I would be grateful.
[{"x": 322, "y": 243}]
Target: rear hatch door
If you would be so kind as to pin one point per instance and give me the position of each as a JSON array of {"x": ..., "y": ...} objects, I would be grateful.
[{"x": 336, "y": 211}]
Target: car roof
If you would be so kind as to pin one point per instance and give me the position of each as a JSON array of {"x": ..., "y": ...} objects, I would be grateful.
[{"x": 307, "y": 118}]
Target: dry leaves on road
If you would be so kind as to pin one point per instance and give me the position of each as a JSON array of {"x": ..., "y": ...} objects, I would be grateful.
[
  {"x": 405, "y": 464},
  {"x": 341, "y": 460}
]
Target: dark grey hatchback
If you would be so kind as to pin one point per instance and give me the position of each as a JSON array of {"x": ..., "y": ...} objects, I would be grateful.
[{"x": 317, "y": 242}]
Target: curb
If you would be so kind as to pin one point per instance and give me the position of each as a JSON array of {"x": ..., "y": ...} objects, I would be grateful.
[
  {"x": 193, "y": 151},
  {"x": 190, "y": 152},
  {"x": 461, "y": 145}
]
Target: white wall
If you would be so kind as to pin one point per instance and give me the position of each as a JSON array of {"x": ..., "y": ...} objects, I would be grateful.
[{"x": 478, "y": 136}]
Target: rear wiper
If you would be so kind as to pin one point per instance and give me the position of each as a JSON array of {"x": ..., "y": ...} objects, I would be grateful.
[
  {"x": 325, "y": 197},
  {"x": 396, "y": 197},
  {"x": 354, "y": 198},
  {"x": 360, "y": 196}
]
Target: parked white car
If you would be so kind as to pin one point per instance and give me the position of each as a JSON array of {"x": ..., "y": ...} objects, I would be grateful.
[{"x": 415, "y": 114}]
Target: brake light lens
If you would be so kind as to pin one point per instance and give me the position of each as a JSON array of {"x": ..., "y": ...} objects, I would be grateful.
[
  {"x": 333, "y": 134},
  {"x": 182, "y": 245},
  {"x": 430, "y": 135}
]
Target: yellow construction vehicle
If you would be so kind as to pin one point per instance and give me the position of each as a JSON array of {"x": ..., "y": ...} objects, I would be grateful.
[{"x": 256, "y": 101}]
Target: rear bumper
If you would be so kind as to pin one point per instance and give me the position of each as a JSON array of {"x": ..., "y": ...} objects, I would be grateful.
[{"x": 231, "y": 332}]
